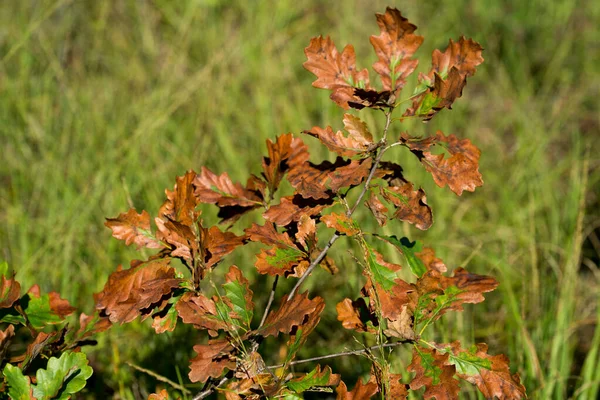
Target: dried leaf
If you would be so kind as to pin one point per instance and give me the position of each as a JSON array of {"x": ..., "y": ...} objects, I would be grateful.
[
  {"x": 318, "y": 181},
  {"x": 397, "y": 389},
  {"x": 162, "y": 395},
  {"x": 439, "y": 294},
  {"x": 291, "y": 313},
  {"x": 202, "y": 312},
  {"x": 284, "y": 258},
  {"x": 431, "y": 262},
  {"x": 411, "y": 205},
  {"x": 294, "y": 208},
  {"x": 360, "y": 392},
  {"x": 5, "y": 339},
  {"x": 460, "y": 171},
  {"x": 433, "y": 372},
  {"x": 181, "y": 203},
  {"x": 307, "y": 233},
  {"x": 133, "y": 228},
  {"x": 212, "y": 359},
  {"x": 403, "y": 327},
  {"x": 352, "y": 313},
  {"x": 136, "y": 291},
  {"x": 336, "y": 72},
  {"x": 285, "y": 154},
  {"x": 446, "y": 79},
  {"x": 394, "y": 47},
  {"x": 359, "y": 140},
  {"x": 165, "y": 320},
  {"x": 490, "y": 374},
  {"x": 10, "y": 291},
  {"x": 341, "y": 223},
  {"x": 378, "y": 209}
]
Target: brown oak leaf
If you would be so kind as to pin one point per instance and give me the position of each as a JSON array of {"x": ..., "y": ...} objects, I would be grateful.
[
  {"x": 433, "y": 372},
  {"x": 397, "y": 389},
  {"x": 358, "y": 141},
  {"x": 447, "y": 78},
  {"x": 212, "y": 359},
  {"x": 133, "y": 228},
  {"x": 291, "y": 313},
  {"x": 162, "y": 395},
  {"x": 377, "y": 208},
  {"x": 202, "y": 313},
  {"x": 283, "y": 258},
  {"x": 359, "y": 392},
  {"x": 334, "y": 71},
  {"x": 431, "y": 262},
  {"x": 181, "y": 203},
  {"x": 286, "y": 153},
  {"x": 394, "y": 47},
  {"x": 137, "y": 290},
  {"x": 318, "y": 181},
  {"x": 341, "y": 223},
  {"x": 307, "y": 233},
  {"x": 5, "y": 339},
  {"x": 351, "y": 314},
  {"x": 294, "y": 208},
  {"x": 10, "y": 291},
  {"x": 491, "y": 374},
  {"x": 411, "y": 205}
]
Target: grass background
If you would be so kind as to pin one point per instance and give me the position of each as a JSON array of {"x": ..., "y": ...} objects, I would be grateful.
[{"x": 103, "y": 103}]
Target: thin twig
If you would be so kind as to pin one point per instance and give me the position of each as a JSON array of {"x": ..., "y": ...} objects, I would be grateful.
[
  {"x": 159, "y": 377},
  {"x": 345, "y": 353},
  {"x": 335, "y": 236},
  {"x": 271, "y": 297},
  {"x": 210, "y": 390}
]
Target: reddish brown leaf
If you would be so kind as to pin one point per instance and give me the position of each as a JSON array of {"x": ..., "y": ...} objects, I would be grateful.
[
  {"x": 336, "y": 72},
  {"x": 10, "y": 291},
  {"x": 165, "y": 320},
  {"x": 440, "y": 294},
  {"x": 394, "y": 47},
  {"x": 393, "y": 301},
  {"x": 284, "y": 258},
  {"x": 162, "y": 395},
  {"x": 5, "y": 339},
  {"x": 181, "y": 203},
  {"x": 430, "y": 260},
  {"x": 235, "y": 275},
  {"x": 212, "y": 359},
  {"x": 397, "y": 389},
  {"x": 403, "y": 327},
  {"x": 433, "y": 372},
  {"x": 341, "y": 223},
  {"x": 318, "y": 181},
  {"x": 360, "y": 392},
  {"x": 180, "y": 237},
  {"x": 286, "y": 153},
  {"x": 218, "y": 244},
  {"x": 133, "y": 228},
  {"x": 411, "y": 205},
  {"x": 460, "y": 171},
  {"x": 60, "y": 307},
  {"x": 294, "y": 208},
  {"x": 35, "y": 348},
  {"x": 91, "y": 324},
  {"x": 447, "y": 78},
  {"x": 300, "y": 334},
  {"x": 359, "y": 140},
  {"x": 378, "y": 209},
  {"x": 349, "y": 313},
  {"x": 136, "y": 291},
  {"x": 201, "y": 312},
  {"x": 307, "y": 233},
  {"x": 291, "y": 313},
  {"x": 220, "y": 190},
  {"x": 490, "y": 374}
]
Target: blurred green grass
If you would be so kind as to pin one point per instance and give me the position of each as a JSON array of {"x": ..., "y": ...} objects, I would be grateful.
[{"x": 103, "y": 103}]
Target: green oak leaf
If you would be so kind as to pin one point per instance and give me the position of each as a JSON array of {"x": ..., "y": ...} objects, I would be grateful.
[
  {"x": 19, "y": 386},
  {"x": 62, "y": 377},
  {"x": 314, "y": 378},
  {"x": 381, "y": 274},
  {"x": 236, "y": 293},
  {"x": 409, "y": 249}
]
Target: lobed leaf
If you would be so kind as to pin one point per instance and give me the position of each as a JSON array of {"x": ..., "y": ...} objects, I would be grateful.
[
  {"x": 411, "y": 251},
  {"x": 132, "y": 227},
  {"x": 411, "y": 205},
  {"x": 284, "y": 258},
  {"x": 334, "y": 71},
  {"x": 359, "y": 392},
  {"x": 212, "y": 360},
  {"x": 19, "y": 385},
  {"x": 314, "y": 378},
  {"x": 294, "y": 208},
  {"x": 238, "y": 296},
  {"x": 491, "y": 374},
  {"x": 358, "y": 142},
  {"x": 434, "y": 373},
  {"x": 181, "y": 202},
  {"x": 341, "y": 223},
  {"x": 292, "y": 312},
  {"x": 62, "y": 377},
  {"x": 286, "y": 153},
  {"x": 136, "y": 291},
  {"x": 10, "y": 291},
  {"x": 395, "y": 46}
]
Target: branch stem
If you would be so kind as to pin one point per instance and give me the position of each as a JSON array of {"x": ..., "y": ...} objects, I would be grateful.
[
  {"x": 210, "y": 390},
  {"x": 335, "y": 236},
  {"x": 342, "y": 354}
]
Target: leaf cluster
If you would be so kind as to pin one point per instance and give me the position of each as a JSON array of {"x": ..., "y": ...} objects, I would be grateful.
[{"x": 175, "y": 285}]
